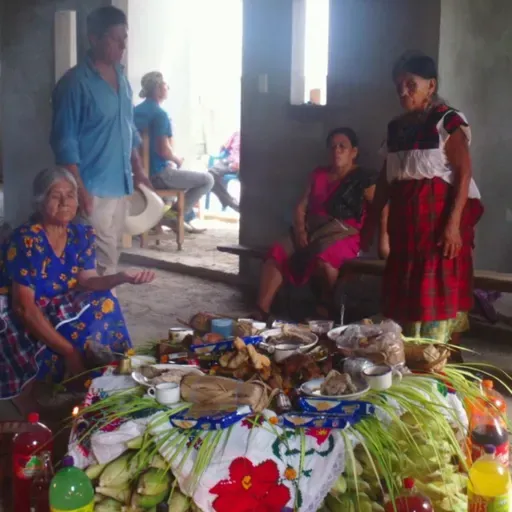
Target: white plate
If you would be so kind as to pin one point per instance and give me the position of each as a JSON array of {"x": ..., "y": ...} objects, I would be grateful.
[{"x": 312, "y": 388}]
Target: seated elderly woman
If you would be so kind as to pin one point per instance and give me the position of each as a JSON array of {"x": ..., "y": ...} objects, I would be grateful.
[
  {"x": 328, "y": 218},
  {"x": 53, "y": 304}
]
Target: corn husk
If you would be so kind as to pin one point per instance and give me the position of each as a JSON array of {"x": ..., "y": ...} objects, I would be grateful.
[
  {"x": 117, "y": 473},
  {"x": 154, "y": 481},
  {"x": 210, "y": 395},
  {"x": 121, "y": 494},
  {"x": 108, "y": 505}
]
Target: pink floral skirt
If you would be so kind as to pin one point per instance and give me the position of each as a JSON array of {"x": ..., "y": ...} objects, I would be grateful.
[{"x": 335, "y": 255}]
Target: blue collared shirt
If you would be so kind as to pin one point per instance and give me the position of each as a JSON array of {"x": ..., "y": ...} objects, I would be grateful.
[
  {"x": 149, "y": 115},
  {"x": 93, "y": 128}
]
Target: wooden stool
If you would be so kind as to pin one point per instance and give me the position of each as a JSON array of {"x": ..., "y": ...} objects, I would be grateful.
[
  {"x": 180, "y": 232},
  {"x": 179, "y": 194}
]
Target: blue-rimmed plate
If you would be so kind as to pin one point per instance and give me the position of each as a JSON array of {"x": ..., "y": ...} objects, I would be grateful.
[
  {"x": 345, "y": 408},
  {"x": 312, "y": 420},
  {"x": 214, "y": 422}
]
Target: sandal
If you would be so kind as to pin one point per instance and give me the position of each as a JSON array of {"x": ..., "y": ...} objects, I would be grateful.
[{"x": 260, "y": 315}]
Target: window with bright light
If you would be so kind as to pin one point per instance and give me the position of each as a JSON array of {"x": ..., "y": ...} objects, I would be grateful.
[{"x": 310, "y": 52}]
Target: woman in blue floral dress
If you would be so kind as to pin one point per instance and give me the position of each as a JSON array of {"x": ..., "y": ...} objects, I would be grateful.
[{"x": 53, "y": 304}]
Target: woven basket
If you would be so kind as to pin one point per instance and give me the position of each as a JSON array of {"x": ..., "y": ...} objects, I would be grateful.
[{"x": 426, "y": 357}]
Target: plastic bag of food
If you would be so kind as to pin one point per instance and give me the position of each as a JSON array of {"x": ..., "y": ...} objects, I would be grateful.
[{"x": 380, "y": 343}]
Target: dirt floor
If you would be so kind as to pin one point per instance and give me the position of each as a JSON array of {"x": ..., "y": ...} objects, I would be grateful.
[
  {"x": 150, "y": 310},
  {"x": 199, "y": 250}
]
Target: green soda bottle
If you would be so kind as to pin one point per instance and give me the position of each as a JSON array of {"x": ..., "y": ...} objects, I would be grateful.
[{"x": 71, "y": 490}]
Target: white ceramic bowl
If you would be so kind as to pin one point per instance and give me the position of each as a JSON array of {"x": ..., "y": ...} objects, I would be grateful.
[
  {"x": 284, "y": 350},
  {"x": 335, "y": 333}
]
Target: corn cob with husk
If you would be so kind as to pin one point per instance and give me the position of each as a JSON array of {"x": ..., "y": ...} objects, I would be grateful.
[
  {"x": 108, "y": 505},
  {"x": 117, "y": 473}
]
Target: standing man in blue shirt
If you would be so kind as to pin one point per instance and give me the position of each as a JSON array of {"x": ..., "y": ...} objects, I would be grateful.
[{"x": 93, "y": 134}]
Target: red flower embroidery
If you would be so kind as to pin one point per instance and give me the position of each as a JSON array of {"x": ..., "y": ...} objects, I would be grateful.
[
  {"x": 320, "y": 434},
  {"x": 251, "y": 422},
  {"x": 112, "y": 426},
  {"x": 251, "y": 488}
]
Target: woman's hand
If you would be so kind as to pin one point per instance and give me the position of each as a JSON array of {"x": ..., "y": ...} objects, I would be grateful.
[
  {"x": 301, "y": 238},
  {"x": 451, "y": 241},
  {"x": 142, "y": 277},
  {"x": 384, "y": 246},
  {"x": 74, "y": 363},
  {"x": 366, "y": 236}
]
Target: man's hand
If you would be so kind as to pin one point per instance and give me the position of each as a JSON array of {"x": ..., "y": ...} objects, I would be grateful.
[
  {"x": 141, "y": 277},
  {"x": 85, "y": 201}
]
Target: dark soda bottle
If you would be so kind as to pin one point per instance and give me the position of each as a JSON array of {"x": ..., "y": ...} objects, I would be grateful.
[
  {"x": 28, "y": 448},
  {"x": 39, "y": 494},
  {"x": 489, "y": 430}
]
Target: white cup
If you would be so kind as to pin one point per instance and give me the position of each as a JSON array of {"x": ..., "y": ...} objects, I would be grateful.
[
  {"x": 380, "y": 377},
  {"x": 166, "y": 393}
]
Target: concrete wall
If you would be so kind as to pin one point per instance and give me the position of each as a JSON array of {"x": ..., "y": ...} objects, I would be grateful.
[
  {"x": 476, "y": 77},
  {"x": 160, "y": 41},
  {"x": 27, "y": 81},
  {"x": 282, "y": 144}
]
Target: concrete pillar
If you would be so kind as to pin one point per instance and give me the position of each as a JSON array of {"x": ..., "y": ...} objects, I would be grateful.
[{"x": 475, "y": 71}]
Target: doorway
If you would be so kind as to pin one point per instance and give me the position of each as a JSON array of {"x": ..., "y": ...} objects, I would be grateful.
[{"x": 197, "y": 45}]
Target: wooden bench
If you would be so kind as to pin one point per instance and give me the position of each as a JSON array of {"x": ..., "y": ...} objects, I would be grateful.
[
  {"x": 163, "y": 193},
  {"x": 243, "y": 250},
  {"x": 483, "y": 279}
]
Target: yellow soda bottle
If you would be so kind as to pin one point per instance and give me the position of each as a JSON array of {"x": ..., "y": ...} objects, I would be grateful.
[{"x": 489, "y": 484}]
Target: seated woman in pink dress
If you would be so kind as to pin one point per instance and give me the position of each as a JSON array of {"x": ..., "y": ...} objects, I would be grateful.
[{"x": 326, "y": 227}]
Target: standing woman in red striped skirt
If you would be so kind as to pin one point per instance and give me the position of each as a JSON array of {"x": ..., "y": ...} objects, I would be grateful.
[{"x": 430, "y": 203}]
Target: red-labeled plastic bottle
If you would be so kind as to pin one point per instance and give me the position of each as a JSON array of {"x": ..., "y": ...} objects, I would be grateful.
[
  {"x": 410, "y": 501},
  {"x": 28, "y": 452},
  {"x": 40, "y": 491},
  {"x": 496, "y": 399}
]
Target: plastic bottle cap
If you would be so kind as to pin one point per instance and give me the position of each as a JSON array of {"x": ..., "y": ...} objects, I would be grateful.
[
  {"x": 490, "y": 449},
  {"x": 33, "y": 417},
  {"x": 409, "y": 482},
  {"x": 488, "y": 383},
  {"x": 68, "y": 461}
]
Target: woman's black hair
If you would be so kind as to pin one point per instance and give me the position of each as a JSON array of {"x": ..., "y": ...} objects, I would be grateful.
[
  {"x": 417, "y": 64},
  {"x": 343, "y": 130},
  {"x": 100, "y": 20}
]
